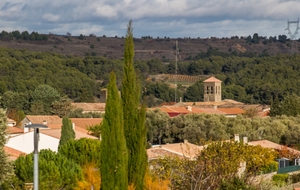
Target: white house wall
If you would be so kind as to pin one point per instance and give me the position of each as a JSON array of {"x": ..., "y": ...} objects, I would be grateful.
[{"x": 24, "y": 142}]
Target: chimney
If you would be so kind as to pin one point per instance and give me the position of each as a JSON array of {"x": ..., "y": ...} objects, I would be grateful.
[
  {"x": 189, "y": 108},
  {"x": 73, "y": 124},
  {"x": 185, "y": 141},
  {"x": 45, "y": 122},
  {"x": 180, "y": 99},
  {"x": 215, "y": 107},
  {"x": 245, "y": 140},
  {"x": 237, "y": 137}
]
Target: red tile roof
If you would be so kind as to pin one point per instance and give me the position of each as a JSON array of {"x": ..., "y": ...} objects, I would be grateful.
[
  {"x": 13, "y": 153},
  {"x": 90, "y": 106},
  {"x": 212, "y": 79},
  {"x": 231, "y": 111},
  {"x": 39, "y": 119},
  {"x": 14, "y": 130}
]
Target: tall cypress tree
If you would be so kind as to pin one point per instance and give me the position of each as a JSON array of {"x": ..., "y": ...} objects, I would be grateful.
[
  {"x": 67, "y": 131},
  {"x": 134, "y": 118},
  {"x": 113, "y": 145}
]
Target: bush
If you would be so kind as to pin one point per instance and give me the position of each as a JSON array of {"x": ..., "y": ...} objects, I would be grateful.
[
  {"x": 295, "y": 178},
  {"x": 235, "y": 183},
  {"x": 280, "y": 177},
  {"x": 92, "y": 46}
]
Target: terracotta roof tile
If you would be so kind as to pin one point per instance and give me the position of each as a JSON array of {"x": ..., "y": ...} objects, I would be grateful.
[
  {"x": 84, "y": 122},
  {"x": 14, "y": 130},
  {"x": 232, "y": 111},
  {"x": 212, "y": 111},
  {"x": 39, "y": 119},
  {"x": 176, "y": 149},
  {"x": 56, "y": 133},
  {"x": 212, "y": 79},
  {"x": 272, "y": 145},
  {"x": 13, "y": 153},
  {"x": 90, "y": 106}
]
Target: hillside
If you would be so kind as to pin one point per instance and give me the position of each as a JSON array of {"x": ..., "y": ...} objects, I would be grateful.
[{"x": 145, "y": 49}]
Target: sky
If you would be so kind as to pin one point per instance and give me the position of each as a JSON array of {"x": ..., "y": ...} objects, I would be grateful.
[{"x": 156, "y": 18}]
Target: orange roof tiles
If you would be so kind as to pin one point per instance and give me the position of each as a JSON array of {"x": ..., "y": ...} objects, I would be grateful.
[
  {"x": 85, "y": 122},
  {"x": 269, "y": 144},
  {"x": 176, "y": 149},
  {"x": 90, "y": 106},
  {"x": 56, "y": 133},
  {"x": 212, "y": 111},
  {"x": 12, "y": 153},
  {"x": 212, "y": 79},
  {"x": 14, "y": 130},
  {"x": 39, "y": 119},
  {"x": 231, "y": 111}
]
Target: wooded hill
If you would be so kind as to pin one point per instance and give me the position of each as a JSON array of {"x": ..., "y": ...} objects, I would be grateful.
[
  {"x": 147, "y": 47},
  {"x": 249, "y": 80}
]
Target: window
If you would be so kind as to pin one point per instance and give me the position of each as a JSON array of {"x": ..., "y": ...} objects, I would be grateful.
[
  {"x": 212, "y": 90},
  {"x": 207, "y": 90}
]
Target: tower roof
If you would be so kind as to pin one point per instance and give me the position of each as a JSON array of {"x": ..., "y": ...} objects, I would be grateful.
[{"x": 212, "y": 79}]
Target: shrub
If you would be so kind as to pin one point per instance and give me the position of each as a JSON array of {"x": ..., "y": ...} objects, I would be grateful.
[
  {"x": 92, "y": 46},
  {"x": 280, "y": 177},
  {"x": 295, "y": 178}
]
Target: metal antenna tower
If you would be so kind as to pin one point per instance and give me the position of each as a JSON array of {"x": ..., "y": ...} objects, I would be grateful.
[
  {"x": 176, "y": 70},
  {"x": 294, "y": 46}
]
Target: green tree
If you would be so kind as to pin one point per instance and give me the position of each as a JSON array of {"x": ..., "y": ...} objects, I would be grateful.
[
  {"x": 6, "y": 167},
  {"x": 45, "y": 95},
  {"x": 55, "y": 170},
  {"x": 67, "y": 131},
  {"x": 275, "y": 108},
  {"x": 82, "y": 151},
  {"x": 134, "y": 118},
  {"x": 114, "y": 155},
  {"x": 62, "y": 107}
]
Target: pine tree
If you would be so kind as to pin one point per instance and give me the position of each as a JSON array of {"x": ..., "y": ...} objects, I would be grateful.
[
  {"x": 134, "y": 118},
  {"x": 67, "y": 131},
  {"x": 6, "y": 167},
  {"x": 113, "y": 145}
]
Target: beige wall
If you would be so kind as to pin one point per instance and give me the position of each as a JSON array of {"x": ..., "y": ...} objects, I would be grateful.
[{"x": 212, "y": 92}]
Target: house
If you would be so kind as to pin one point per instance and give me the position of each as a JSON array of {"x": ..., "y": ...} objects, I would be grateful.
[
  {"x": 12, "y": 154},
  {"x": 11, "y": 123},
  {"x": 83, "y": 123},
  {"x": 180, "y": 150},
  {"x": 175, "y": 111},
  {"x": 90, "y": 107},
  {"x": 41, "y": 119},
  {"x": 48, "y": 139}
]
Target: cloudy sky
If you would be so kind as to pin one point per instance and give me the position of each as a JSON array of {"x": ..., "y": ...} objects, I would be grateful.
[{"x": 172, "y": 18}]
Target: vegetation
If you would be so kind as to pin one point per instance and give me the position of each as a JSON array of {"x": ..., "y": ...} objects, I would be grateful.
[
  {"x": 218, "y": 161},
  {"x": 56, "y": 171},
  {"x": 114, "y": 156},
  {"x": 83, "y": 151},
  {"x": 67, "y": 131},
  {"x": 194, "y": 127},
  {"x": 6, "y": 168},
  {"x": 134, "y": 118}
]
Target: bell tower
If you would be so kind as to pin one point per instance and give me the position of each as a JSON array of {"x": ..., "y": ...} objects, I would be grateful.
[{"x": 212, "y": 90}]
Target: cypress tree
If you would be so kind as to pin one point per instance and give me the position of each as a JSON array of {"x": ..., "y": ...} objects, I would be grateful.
[
  {"x": 5, "y": 166},
  {"x": 67, "y": 131},
  {"x": 275, "y": 108},
  {"x": 134, "y": 118},
  {"x": 113, "y": 144}
]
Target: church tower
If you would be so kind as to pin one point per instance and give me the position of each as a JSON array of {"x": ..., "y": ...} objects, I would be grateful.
[{"x": 212, "y": 90}]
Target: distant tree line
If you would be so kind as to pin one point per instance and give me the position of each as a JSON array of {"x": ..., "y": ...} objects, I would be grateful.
[
  {"x": 198, "y": 127},
  {"x": 34, "y": 36}
]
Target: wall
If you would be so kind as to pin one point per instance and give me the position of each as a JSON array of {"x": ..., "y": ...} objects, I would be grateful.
[{"x": 24, "y": 142}]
